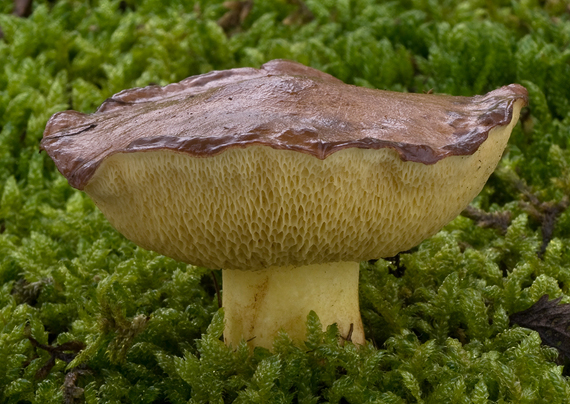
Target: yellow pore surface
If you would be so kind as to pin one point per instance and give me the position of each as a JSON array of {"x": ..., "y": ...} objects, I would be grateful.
[{"x": 256, "y": 207}]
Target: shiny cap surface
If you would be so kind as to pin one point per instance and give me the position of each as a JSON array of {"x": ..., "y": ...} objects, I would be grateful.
[{"x": 283, "y": 105}]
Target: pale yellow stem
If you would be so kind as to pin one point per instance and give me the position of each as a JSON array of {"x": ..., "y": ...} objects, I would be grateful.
[{"x": 257, "y": 304}]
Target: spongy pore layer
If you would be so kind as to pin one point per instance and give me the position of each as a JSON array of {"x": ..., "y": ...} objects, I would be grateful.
[{"x": 256, "y": 207}]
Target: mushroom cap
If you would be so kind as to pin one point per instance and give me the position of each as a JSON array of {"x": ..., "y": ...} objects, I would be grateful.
[{"x": 283, "y": 165}]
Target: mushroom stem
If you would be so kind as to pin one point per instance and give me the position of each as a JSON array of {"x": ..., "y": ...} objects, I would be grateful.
[{"x": 257, "y": 304}]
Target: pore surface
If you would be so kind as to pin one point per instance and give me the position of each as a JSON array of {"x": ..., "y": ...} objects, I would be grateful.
[{"x": 256, "y": 207}]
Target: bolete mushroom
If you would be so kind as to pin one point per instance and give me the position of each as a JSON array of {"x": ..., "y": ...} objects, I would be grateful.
[{"x": 285, "y": 177}]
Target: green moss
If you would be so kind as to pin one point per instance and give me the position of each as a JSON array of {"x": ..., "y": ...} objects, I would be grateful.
[{"x": 437, "y": 318}]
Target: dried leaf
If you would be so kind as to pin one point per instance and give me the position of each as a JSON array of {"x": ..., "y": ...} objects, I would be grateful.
[{"x": 552, "y": 322}]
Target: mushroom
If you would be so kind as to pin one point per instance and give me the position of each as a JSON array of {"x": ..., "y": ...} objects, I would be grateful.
[{"x": 285, "y": 177}]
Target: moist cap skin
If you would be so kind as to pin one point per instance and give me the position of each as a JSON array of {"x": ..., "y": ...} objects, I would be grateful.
[{"x": 283, "y": 105}]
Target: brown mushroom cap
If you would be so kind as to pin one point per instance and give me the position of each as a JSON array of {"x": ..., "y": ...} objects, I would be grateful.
[
  {"x": 284, "y": 165},
  {"x": 283, "y": 105}
]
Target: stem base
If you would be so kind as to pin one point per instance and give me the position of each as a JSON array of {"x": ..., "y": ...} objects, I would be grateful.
[{"x": 257, "y": 304}]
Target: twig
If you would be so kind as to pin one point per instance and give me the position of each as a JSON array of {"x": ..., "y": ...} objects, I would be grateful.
[
  {"x": 56, "y": 352},
  {"x": 497, "y": 220}
]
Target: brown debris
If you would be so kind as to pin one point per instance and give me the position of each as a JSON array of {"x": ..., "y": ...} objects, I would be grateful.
[
  {"x": 22, "y": 8},
  {"x": 26, "y": 292},
  {"x": 125, "y": 331},
  {"x": 348, "y": 337},
  {"x": 300, "y": 16},
  {"x": 398, "y": 269},
  {"x": 70, "y": 391},
  {"x": 217, "y": 288},
  {"x": 497, "y": 220},
  {"x": 234, "y": 18},
  {"x": 546, "y": 213}
]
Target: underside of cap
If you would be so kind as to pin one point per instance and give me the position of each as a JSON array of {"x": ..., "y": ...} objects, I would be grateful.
[
  {"x": 284, "y": 106},
  {"x": 257, "y": 207}
]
